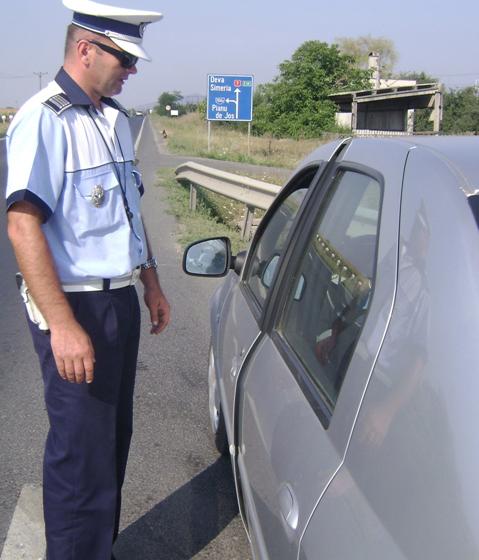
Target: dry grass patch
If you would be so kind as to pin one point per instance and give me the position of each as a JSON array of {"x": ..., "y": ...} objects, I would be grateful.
[{"x": 189, "y": 135}]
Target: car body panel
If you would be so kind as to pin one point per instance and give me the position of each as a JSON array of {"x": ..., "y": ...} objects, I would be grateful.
[
  {"x": 324, "y": 153},
  {"x": 458, "y": 153},
  {"x": 276, "y": 428},
  {"x": 393, "y": 473},
  {"x": 231, "y": 343},
  {"x": 346, "y": 527},
  {"x": 272, "y": 404},
  {"x": 389, "y": 160},
  {"x": 407, "y": 487}
]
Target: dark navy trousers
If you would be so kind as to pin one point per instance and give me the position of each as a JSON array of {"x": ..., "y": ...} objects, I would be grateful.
[{"x": 90, "y": 428}]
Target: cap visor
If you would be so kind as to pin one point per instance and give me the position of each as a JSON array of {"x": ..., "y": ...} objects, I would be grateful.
[{"x": 133, "y": 48}]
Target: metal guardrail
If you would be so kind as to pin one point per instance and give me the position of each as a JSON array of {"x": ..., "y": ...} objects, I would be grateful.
[{"x": 251, "y": 192}]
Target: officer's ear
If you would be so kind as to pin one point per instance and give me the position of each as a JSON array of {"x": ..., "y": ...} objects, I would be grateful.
[{"x": 84, "y": 49}]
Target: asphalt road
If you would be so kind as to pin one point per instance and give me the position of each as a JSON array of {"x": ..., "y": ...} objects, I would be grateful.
[{"x": 179, "y": 500}]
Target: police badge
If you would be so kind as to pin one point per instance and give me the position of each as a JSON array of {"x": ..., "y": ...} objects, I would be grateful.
[{"x": 97, "y": 196}]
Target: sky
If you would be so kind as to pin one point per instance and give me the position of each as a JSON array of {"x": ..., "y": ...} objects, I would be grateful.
[{"x": 244, "y": 37}]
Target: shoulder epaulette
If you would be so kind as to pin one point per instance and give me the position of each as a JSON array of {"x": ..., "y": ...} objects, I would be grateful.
[
  {"x": 58, "y": 103},
  {"x": 114, "y": 103}
]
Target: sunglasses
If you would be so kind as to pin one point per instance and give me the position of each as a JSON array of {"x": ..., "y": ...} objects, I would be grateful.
[{"x": 126, "y": 60}]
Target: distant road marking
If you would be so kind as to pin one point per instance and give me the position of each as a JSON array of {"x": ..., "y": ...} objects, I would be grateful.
[
  {"x": 26, "y": 535},
  {"x": 138, "y": 139}
]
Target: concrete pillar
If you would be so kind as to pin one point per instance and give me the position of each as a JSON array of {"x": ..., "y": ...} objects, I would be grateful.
[
  {"x": 354, "y": 115},
  {"x": 410, "y": 121},
  {"x": 193, "y": 197},
  {"x": 373, "y": 64},
  {"x": 247, "y": 222},
  {"x": 437, "y": 111}
]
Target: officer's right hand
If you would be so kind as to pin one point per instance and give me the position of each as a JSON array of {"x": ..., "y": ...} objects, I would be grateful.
[{"x": 73, "y": 352}]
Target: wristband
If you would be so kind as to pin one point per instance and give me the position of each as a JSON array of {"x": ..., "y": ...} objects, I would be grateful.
[{"x": 150, "y": 263}]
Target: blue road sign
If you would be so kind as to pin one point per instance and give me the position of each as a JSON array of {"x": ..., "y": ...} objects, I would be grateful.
[{"x": 230, "y": 98}]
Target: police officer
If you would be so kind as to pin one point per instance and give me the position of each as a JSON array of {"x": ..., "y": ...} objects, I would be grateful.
[{"x": 73, "y": 200}]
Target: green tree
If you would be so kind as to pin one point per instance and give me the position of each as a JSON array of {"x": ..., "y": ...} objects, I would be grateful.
[
  {"x": 296, "y": 104},
  {"x": 173, "y": 100},
  {"x": 420, "y": 77},
  {"x": 262, "y": 100},
  {"x": 202, "y": 108},
  {"x": 461, "y": 111},
  {"x": 360, "y": 47}
]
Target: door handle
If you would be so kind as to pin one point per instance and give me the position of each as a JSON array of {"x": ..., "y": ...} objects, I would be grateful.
[
  {"x": 288, "y": 506},
  {"x": 234, "y": 366},
  {"x": 236, "y": 362}
]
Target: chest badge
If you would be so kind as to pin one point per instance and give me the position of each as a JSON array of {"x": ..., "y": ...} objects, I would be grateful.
[{"x": 97, "y": 196}]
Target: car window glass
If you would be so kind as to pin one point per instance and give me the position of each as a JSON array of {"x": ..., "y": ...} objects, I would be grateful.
[
  {"x": 265, "y": 257},
  {"x": 328, "y": 301}
]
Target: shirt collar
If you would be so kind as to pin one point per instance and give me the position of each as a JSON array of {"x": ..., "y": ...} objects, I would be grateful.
[{"x": 74, "y": 92}]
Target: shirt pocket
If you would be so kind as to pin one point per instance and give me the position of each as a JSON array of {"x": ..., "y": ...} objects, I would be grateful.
[{"x": 99, "y": 203}]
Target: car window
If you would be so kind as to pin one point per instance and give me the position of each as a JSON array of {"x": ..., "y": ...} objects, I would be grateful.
[
  {"x": 267, "y": 251},
  {"x": 328, "y": 301}
]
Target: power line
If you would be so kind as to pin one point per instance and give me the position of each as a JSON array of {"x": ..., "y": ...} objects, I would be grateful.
[{"x": 13, "y": 77}]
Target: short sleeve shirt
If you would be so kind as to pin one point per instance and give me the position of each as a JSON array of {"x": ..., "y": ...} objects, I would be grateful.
[{"x": 76, "y": 165}]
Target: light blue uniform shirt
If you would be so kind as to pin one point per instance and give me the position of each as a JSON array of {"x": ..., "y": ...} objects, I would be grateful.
[{"x": 59, "y": 150}]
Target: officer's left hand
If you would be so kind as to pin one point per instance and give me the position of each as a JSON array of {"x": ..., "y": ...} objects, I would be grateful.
[{"x": 159, "y": 308}]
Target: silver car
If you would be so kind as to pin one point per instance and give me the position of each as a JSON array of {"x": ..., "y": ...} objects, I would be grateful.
[{"x": 343, "y": 375}]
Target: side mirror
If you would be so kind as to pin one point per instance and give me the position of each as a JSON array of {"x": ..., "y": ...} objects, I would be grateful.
[{"x": 208, "y": 257}]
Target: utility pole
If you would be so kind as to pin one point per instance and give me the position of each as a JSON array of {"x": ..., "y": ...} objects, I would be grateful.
[{"x": 40, "y": 74}]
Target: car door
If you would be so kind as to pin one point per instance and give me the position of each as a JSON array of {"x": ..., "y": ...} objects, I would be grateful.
[
  {"x": 407, "y": 487},
  {"x": 296, "y": 404},
  {"x": 240, "y": 316}
]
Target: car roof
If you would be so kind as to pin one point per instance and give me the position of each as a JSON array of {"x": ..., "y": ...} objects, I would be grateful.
[{"x": 460, "y": 152}]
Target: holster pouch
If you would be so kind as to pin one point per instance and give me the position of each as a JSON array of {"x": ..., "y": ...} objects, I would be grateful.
[{"x": 34, "y": 314}]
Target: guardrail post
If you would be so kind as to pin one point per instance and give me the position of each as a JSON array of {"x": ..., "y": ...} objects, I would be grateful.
[
  {"x": 193, "y": 195},
  {"x": 247, "y": 222}
]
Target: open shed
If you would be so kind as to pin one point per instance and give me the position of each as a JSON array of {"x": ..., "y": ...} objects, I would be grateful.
[{"x": 388, "y": 109}]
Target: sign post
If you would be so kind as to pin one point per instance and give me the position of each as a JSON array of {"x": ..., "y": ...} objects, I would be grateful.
[{"x": 229, "y": 98}]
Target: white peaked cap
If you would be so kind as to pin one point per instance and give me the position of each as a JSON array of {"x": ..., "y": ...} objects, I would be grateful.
[{"x": 124, "y": 26}]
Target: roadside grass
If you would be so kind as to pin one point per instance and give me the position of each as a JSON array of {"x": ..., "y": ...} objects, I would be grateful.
[
  {"x": 214, "y": 216},
  {"x": 188, "y": 135}
]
